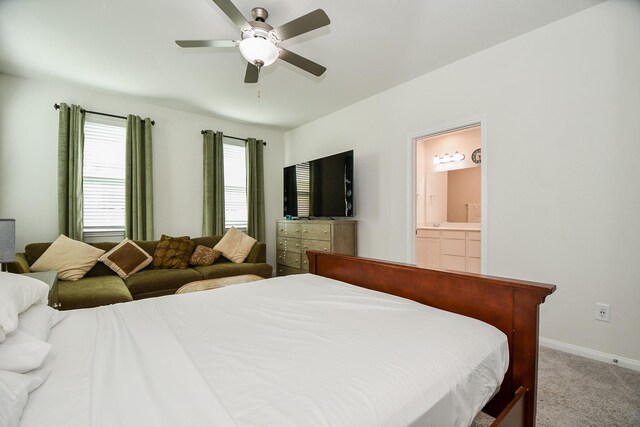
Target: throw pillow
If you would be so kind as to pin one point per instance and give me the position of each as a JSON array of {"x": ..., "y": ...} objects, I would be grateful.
[
  {"x": 173, "y": 252},
  {"x": 235, "y": 245},
  {"x": 70, "y": 258},
  {"x": 126, "y": 258},
  {"x": 204, "y": 256}
]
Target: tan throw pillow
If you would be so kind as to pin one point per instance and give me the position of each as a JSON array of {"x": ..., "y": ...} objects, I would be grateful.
[
  {"x": 173, "y": 252},
  {"x": 126, "y": 258},
  {"x": 235, "y": 245},
  {"x": 204, "y": 256},
  {"x": 70, "y": 258}
]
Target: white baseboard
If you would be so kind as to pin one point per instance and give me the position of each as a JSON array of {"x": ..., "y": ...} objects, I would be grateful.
[{"x": 591, "y": 354}]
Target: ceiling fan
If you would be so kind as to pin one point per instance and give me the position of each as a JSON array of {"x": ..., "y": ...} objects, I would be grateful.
[{"x": 259, "y": 40}]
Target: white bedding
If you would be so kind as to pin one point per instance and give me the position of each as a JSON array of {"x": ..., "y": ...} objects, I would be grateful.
[{"x": 290, "y": 351}]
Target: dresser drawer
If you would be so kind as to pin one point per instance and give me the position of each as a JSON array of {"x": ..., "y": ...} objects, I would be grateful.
[
  {"x": 432, "y": 234},
  {"x": 453, "y": 235},
  {"x": 289, "y": 229},
  {"x": 316, "y": 231},
  {"x": 288, "y": 244},
  {"x": 456, "y": 263},
  {"x": 316, "y": 245},
  {"x": 453, "y": 247},
  {"x": 304, "y": 262},
  {"x": 283, "y": 270},
  {"x": 473, "y": 265},
  {"x": 473, "y": 248},
  {"x": 290, "y": 259},
  {"x": 473, "y": 235}
]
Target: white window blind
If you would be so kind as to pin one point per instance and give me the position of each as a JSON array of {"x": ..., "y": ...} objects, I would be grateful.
[
  {"x": 235, "y": 186},
  {"x": 302, "y": 183},
  {"x": 104, "y": 176}
]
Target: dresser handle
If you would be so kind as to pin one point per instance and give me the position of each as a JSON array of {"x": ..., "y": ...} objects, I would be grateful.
[
  {"x": 325, "y": 231},
  {"x": 304, "y": 230},
  {"x": 324, "y": 249}
]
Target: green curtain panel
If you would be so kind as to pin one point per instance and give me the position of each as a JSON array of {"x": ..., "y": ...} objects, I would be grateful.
[
  {"x": 213, "y": 177},
  {"x": 255, "y": 189},
  {"x": 139, "y": 179},
  {"x": 70, "y": 155}
]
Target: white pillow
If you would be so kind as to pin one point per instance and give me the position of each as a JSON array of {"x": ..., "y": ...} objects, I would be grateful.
[
  {"x": 39, "y": 375},
  {"x": 38, "y": 320},
  {"x": 70, "y": 258},
  {"x": 235, "y": 245},
  {"x": 14, "y": 392},
  {"x": 17, "y": 293},
  {"x": 21, "y": 352}
]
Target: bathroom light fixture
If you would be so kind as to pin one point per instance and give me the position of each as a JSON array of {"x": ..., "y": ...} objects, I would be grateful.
[{"x": 447, "y": 158}]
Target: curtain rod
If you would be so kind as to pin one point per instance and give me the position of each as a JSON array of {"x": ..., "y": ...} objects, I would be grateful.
[
  {"x": 232, "y": 137},
  {"x": 57, "y": 107}
]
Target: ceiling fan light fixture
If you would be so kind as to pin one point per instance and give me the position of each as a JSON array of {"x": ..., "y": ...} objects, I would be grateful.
[{"x": 258, "y": 50}]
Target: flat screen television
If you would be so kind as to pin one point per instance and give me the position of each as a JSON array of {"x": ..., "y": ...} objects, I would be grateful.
[{"x": 320, "y": 188}]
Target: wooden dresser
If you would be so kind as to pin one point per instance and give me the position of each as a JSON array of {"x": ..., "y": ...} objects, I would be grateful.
[{"x": 294, "y": 238}]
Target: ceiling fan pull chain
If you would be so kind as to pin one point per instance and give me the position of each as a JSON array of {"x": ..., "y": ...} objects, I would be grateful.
[{"x": 258, "y": 90}]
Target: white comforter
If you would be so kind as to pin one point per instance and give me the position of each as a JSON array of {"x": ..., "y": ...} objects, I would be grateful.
[{"x": 290, "y": 351}]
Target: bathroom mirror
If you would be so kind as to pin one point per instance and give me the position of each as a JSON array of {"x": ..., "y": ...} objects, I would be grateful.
[
  {"x": 448, "y": 180},
  {"x": 453, "y": 196}
]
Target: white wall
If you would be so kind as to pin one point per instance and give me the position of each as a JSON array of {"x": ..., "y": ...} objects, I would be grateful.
[
  {"x": 561, "y": 107},
  {"x": 28, "y": 159}
]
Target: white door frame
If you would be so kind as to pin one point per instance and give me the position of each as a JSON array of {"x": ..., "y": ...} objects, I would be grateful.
[{"x": 411, "y": 185}]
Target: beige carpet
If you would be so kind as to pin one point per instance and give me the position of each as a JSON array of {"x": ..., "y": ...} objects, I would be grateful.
[{"x": 577, "y": 392}]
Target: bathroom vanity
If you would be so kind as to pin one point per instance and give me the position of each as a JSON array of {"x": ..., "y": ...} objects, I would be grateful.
[{"x": 449, "y": 246}]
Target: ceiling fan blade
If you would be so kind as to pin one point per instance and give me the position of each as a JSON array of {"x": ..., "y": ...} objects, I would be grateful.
[
  {"x": 233, "y": 13},
  {"x": 301, "y": 62},
  {"x": 206, "y": 43},
  {"x": 303, "y": 24},
  {"x": 251, "y": 76}
]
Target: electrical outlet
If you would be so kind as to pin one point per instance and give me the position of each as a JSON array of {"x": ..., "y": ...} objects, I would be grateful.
[{"x": 603, "y": 312}]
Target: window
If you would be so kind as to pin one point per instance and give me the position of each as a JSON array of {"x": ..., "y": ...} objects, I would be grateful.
[
  {"x": 235, "y": 186},
  {"x": 104, "y": 176},
  {"x": 303, "y": 183}
]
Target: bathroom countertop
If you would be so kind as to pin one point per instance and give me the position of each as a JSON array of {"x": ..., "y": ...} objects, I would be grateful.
[{"x": 452, "y": 226}]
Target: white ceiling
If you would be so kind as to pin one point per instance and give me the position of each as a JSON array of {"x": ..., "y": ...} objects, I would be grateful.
[{"x": 127, "y": 46}]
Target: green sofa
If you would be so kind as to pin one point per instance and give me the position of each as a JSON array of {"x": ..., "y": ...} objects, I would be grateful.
[{"x": 102, "y": 286}]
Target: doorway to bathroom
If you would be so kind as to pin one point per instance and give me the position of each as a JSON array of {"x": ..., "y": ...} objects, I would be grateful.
[{"x": 448, "y": 202}]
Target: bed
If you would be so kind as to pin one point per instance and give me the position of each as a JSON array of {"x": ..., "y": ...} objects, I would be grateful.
[
  {"x": 512, "y": 306},
  {"x": 303, "y": 350}
]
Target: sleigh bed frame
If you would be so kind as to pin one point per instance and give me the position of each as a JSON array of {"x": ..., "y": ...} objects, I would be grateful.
[{"x": 509, "y": 305}]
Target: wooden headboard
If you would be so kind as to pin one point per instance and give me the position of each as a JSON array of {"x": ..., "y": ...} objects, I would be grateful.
[{"x": 509, "y": 305}]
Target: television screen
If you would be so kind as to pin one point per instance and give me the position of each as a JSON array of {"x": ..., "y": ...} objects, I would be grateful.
[{"x": 320, "y": 188}]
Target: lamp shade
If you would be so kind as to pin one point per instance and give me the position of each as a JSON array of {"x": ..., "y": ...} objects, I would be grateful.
[
  {"x": 257, "y": 49},
  {"x": 7, "y": 240}
]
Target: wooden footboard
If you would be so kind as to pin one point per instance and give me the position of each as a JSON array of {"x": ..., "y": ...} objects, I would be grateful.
[
  {"x": 509, "y": 305},
  {"x": 515, "y": 414}
]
